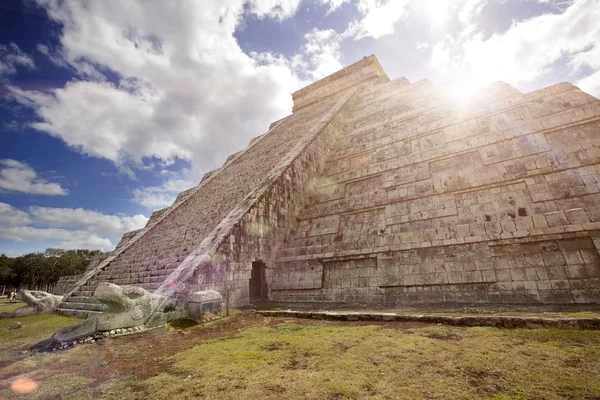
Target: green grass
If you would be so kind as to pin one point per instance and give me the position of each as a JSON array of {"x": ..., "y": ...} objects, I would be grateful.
[
  {"x": 268, "y": 358},
  {"x": 56, "y": 387},
  {"x": 34, "y": 328},
  {"x": 7, "y": 306},
  {"x": 318, "y": 362}
]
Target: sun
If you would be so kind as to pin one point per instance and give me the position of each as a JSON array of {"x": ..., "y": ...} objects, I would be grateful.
[
  {"x": 463, "y": 90},
  {"x": 436, "y": 11}
]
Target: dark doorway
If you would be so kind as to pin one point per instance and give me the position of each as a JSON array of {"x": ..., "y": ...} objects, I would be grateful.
[{"x": 257, "y": 281}]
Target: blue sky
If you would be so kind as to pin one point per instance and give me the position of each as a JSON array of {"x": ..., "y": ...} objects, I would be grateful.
[{"x": 109, "y": 109}]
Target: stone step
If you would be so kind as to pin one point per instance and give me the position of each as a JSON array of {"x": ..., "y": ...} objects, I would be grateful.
[
  {"x": 114, "y": 274},
  {"x": 67, "y": 312},
  {"x": 82, "y": 299},
  {"x": 83, "y": 306},
  {"x": 139, "y": 281},
  {"x": 139, "y": 275},
  {"x": 150, "y": 286},
  {"x": 135, "y": 268},
  {"x": 84, "y": 293}
]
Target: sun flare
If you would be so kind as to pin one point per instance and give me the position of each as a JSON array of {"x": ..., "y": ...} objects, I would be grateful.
[
  {"x": 436, "y": 11},
  {"x": 464, "y": 90}
]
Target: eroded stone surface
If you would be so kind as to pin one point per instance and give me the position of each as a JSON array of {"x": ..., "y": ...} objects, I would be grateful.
[
  {"x": 204, "y": 306},
  {"x": 134, "y": 309},
  {"x": 129, "y": 306},
  {"x": 39, "y": 300}
]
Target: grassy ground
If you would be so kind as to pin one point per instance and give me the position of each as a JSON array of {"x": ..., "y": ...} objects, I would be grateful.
[
  {"x": 255, "y": 357},
  {"x": 34, "y": 328},
  {"x": 8, "y": 306}
]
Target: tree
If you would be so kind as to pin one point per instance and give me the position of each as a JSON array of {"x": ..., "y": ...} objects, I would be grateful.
[
  {"x": 41, "y": 269},
  {"x": 6, "y": 269}
]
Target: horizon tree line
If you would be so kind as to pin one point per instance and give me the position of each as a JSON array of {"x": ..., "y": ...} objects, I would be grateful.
[{"x": 42, "y": 269}]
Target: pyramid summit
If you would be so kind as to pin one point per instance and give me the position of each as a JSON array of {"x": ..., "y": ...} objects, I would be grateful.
[{"x": 382, "y": 191}]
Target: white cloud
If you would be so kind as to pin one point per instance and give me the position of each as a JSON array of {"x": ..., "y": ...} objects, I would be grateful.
[
  {"x": 86, "y": 220},
  {"x": 280, "y": 9},
  {"x": 186, "y": 89},
  {"x": 56, "y": 58},
  {"x": 108, "y": 111},
  {"x": 528, "y": 48},
  {"x": 470, "y": 9},
  {"x": 11, "y": 57},
  {"x": 11, "y": 253},
  {"x": 63, "y": 238},
  {"x": 10, "y": 216},
  {"x": 590, "y": 58},
  {"x": 16, "y": 176},
  {"x": 156, "y": 197},
  {"x": 322, "y": 52},
  {"x": 421, "y": 46},
  {"x": 67, "y": 228},
  {"x": 379, "y": 18},
  {"x": 333, "y": 4}
]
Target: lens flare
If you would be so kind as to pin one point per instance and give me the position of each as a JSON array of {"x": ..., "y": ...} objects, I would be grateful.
[
  {"x": 24, "y": 385},
  {"x": 464, "y": 90}
]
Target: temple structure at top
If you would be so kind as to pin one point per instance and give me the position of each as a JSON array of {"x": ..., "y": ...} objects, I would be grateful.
[{"x": 386, "y": 192}]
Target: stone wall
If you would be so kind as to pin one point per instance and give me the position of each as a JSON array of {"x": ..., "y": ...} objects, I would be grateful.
[{"x": 430, "y": 199}]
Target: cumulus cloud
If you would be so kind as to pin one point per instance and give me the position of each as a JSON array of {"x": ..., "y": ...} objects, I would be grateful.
[
  {"x": 11, "y": 58},
  {"x": 379, "y": 18},
  {"x": 468, "y": 13},
  {"x": 322, "y": 53},
  {"x": 155, "y": 197},
  {"x": 185, "y": 90},
  {"x": 318, "y": 57},
  {"x": 16, "y": 176},
  {"x": 10, "y": 216},
  {"x": 279, "y": 9},
  {"x": 528, "y": 49},
  {"x": 333, "y": 4},
  {"x": 86, "y": 220},
  {"x": 66, "y": 227},
  {"x": 64, "y": 239}
]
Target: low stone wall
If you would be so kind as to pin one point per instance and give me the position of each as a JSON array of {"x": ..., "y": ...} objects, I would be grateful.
[{"x": 495, "y": 321}]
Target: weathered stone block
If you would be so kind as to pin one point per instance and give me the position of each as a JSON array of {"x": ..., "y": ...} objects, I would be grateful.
[{"x": 204, "y": 305}]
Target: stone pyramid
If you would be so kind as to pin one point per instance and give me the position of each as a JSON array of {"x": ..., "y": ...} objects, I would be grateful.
[{"x": 387, "y": 192}]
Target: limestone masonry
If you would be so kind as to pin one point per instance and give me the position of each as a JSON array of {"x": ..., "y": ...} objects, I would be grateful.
[{"x": 386, "y": 192}]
